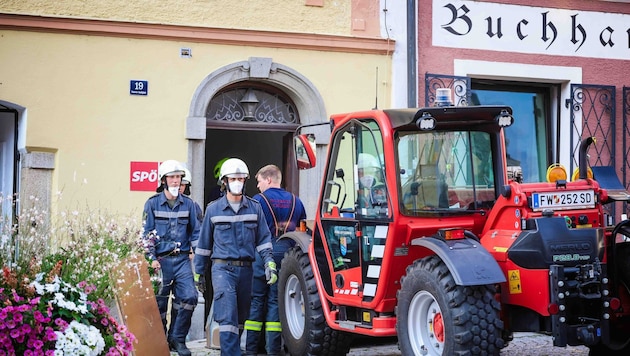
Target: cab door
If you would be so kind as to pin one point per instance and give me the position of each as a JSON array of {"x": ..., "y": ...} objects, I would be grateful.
[{"x": 355, "y": 212}]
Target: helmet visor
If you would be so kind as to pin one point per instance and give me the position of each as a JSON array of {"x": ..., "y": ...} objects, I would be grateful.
[
  {"x": 236, "y": 175},
  {"x": 174, "y": 173}
]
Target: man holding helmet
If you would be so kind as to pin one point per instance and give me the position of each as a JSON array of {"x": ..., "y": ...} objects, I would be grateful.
[
  {"x": 171, "y": 231},
  {"x": 234, "y": 229}
]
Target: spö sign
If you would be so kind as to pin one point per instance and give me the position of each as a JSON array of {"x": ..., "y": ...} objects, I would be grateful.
[{"x": 143, "y": 176}]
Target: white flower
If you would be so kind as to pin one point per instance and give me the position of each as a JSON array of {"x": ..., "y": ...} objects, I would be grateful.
[
  {"x": 79, "y": 339},
  {"x": 57, "y": 290}
]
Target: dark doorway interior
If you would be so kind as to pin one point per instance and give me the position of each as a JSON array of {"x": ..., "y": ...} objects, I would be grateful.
[{"x": 255, "y": 148}]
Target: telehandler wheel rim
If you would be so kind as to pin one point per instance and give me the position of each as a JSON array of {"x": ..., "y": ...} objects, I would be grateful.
[
  {"x": 425, "y": 325},
  {"x": 294, "y": 306}
]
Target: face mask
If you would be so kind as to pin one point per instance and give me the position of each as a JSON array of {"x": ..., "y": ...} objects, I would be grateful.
[
  {"x": 174, "y": 191},
  {"x": 236, "y": 187},
  {"x": 367, "y": 181}
]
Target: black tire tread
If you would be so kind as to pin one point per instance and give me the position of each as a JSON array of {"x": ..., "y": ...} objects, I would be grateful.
[
  {"x": 319, "y": 338},
  {"x": 476, "y": 327}
]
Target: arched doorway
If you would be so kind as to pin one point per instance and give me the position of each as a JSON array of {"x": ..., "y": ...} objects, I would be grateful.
[
  {"x": 254, "y": 121},
  {"x": 257, "y": 142}
]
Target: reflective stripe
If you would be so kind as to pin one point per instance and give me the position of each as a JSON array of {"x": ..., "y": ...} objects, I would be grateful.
[
  {"x": 228, "y": 329},
  {"x": 273, "y": 326},
  {"x": 171, "y": 214},
  {"x": 186, "y": 306},
  {"x": 202, "y": 252},
  {"x": 265, "y": 246},
  {"x": 253, "y": 325},
  {"x": 217, "y": 219}
]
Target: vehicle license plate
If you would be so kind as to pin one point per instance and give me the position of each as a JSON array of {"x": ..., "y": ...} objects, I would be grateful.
[{"x": 578, "y": 199}]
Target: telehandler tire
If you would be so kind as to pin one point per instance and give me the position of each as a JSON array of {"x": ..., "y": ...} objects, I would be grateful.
[
  {"x": 304, "y": 327},
  {"x": 438, "y": 317}
]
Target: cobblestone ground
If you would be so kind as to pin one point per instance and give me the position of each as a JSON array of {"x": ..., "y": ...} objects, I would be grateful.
[{"x": 524, "y": 344}]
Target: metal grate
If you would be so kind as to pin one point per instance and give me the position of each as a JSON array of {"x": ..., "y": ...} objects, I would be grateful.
[
  {"x": 252, "y": 105},
  {"x": 459, "y": 85},
  {"x": 593, "y": 115}
]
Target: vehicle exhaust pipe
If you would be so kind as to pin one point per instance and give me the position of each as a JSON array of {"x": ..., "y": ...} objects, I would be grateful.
[{"x": 583, "y": 168}]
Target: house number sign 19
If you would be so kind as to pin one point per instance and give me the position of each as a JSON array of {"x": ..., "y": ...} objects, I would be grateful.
[{"x": 138, "y": 87}]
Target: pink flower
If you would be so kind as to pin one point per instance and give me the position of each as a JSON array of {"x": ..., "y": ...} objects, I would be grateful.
[
  {"x": 17, "y": 317},
  {"x": 50, "y": 334},
  {"x": 38, "y": 344},
  {"x": 15, "y": 333},
  {"x": 26, "y": 328}
]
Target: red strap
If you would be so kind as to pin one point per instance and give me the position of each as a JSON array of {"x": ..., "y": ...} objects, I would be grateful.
[{"x": 273, "y": 214}]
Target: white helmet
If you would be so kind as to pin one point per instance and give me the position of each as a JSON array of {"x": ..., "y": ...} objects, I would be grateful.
[
  {"x": 370, "y": 170},
  {"x": 234, "y": 168},
  {"x": 187, "y": 177},
  {"x": 171, "y": 167},
  {"x": 366, "y": 160}
]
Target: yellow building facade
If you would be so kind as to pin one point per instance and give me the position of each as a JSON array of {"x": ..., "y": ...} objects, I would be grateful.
[{"x": 91, "y": 90}]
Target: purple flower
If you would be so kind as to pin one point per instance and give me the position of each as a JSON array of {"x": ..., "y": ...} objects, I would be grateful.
[
  {"x": 15, "y": 333},
  {"x": 50, "y": 334},
  {"x": 26, "y": 328},
  {"x": 17, "y": 317},
  {"x": 10, "y": 324},
  {"x": 38, "y": 344}
]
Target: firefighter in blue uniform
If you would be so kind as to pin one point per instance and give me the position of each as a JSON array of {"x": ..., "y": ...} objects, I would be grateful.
[
  {"x": 172, "y": 217},
  {"x": 184, "y": 188},
  {"x": 234, "y": 230},
  {"x": 283, "y": 212}
]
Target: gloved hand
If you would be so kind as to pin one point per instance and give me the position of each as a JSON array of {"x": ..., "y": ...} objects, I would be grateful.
[
  {"x": 271, "y": 273},
  {"x": 200, "y": 281}
]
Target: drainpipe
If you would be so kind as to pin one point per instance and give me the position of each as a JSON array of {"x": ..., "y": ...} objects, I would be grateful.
[{"x": 412, "y": 67}]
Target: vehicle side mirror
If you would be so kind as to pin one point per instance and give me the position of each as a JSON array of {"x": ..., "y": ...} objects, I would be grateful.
[{"x": 305, "y": 151}]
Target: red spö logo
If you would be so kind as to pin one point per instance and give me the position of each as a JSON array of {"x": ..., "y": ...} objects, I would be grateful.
[{"x": 143, "y": 176}]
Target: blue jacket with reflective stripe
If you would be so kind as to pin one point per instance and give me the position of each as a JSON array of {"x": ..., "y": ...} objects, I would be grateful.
[
  {"x": 233, "y": 236},
  {"x": 176, "y": 225}
]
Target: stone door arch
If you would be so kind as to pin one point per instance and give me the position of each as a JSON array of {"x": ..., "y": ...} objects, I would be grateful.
[{"x": 298, "y": 88}]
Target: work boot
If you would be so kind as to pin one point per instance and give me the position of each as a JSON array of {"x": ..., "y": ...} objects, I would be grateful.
[
  {"x": 170, "y": 345},
  {"x": 179, "y": 347}
]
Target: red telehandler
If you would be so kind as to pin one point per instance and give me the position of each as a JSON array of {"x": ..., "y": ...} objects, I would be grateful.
[{"x": 425, "y": 231}]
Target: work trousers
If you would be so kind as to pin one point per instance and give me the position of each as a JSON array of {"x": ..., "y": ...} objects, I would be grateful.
[
  {"x": 264, "y": 306},
  {"x": 177, "y": 277},
  {"x": 232, "y": 297}
]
